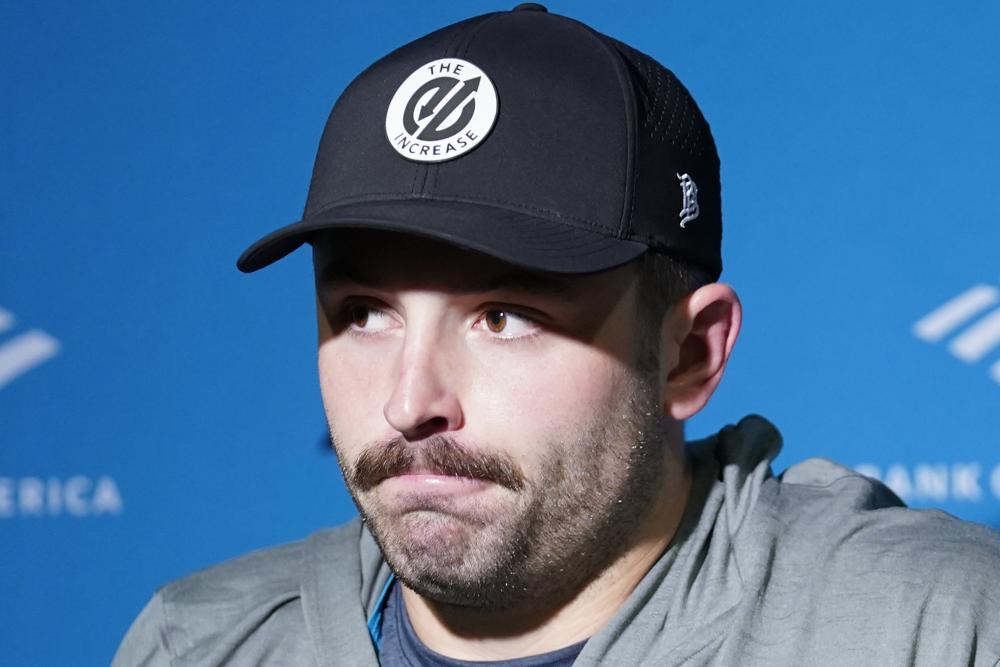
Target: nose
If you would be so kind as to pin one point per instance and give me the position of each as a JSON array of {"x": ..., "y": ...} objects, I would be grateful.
[{"x": 423, "y": 402}]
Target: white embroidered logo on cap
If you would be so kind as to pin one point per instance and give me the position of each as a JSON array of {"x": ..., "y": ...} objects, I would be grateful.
[
  {"x": 689, "y": 209},
  {"x": 443, "y": 110}
]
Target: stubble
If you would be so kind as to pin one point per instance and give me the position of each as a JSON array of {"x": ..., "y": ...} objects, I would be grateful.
[{"x": 538, "y": 538}]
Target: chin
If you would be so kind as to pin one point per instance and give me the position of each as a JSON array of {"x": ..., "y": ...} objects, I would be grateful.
[{"x": 447, "y": 558}]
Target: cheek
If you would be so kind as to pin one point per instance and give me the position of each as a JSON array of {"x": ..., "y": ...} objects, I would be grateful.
[
  {"x": 542, "y": 397},
  {"x": 354, "y": 387},
  {"x": 509, "y": 395}
]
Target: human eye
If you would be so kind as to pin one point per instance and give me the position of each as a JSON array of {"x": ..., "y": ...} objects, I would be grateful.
[
  {"x": 507, "y": 325},
  {"x": 365, "y": 318}
]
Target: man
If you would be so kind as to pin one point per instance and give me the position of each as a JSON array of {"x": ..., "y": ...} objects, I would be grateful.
[{"x": 516, "y": 228}]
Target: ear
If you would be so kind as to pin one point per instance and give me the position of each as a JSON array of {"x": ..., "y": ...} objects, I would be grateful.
[{"x": 698, "y": 336}]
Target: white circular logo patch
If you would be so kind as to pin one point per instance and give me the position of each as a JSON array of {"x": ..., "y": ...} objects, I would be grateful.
[{"x": 443, "y": 110}]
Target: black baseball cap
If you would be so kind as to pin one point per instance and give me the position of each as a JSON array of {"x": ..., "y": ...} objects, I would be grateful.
[{"x": 524, "y": 135}]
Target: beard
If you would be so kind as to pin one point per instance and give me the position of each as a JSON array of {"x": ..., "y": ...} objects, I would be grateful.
[{"x": 532, "y": 540}]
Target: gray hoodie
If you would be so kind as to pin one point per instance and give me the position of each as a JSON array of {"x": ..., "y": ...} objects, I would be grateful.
[{"x": 817, "y": 566}]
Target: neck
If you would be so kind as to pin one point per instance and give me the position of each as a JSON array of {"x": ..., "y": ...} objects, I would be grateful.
[{"x": 469, "y": 634}]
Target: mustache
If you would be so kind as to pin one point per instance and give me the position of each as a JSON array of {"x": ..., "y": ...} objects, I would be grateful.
[{"x": 440, "y": 455}]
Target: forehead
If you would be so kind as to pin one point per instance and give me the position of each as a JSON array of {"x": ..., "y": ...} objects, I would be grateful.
[{"x": 395, "y": 260}]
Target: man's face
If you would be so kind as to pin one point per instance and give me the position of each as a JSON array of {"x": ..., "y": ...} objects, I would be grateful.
[{"x": 491, "y": 423}]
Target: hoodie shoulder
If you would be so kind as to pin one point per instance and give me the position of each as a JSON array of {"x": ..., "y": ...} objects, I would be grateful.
[
  {"x": 919, "y": 582},
  {"x": 844, "y": 565},
  {"x": 235, "y": 609},
  {"x": 845, "y": 517}
]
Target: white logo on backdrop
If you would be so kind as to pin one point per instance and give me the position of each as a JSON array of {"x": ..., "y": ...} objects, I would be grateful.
[
  {"x": 23, "y": 352},
  {"x": 30, "y": 497},
  {"x": 965, "y": 481},
  {"x": 77, "y": 496},
  {"x": 975, "y": 342}
]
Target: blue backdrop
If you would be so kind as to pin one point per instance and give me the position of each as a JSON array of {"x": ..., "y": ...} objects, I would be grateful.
[{"x": 159, "y": 411}]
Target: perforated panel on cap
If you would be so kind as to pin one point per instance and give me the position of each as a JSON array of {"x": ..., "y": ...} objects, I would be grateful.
[
  {"x": 677, "y": 204},
  {"x": 667, "y": 111}
]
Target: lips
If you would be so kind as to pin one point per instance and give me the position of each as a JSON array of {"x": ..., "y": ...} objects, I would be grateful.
[
  {"x": 441, "y": 495},
  {"x": 433, "y": 483},
  {"x": 430, "y": 475},
  {"x": 439, "y": 460}
]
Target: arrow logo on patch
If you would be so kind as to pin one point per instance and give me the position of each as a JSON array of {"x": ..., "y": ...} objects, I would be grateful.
[{"x": 443, "y": 85}]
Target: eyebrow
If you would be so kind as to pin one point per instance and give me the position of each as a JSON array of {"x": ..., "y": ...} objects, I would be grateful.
[{"x": 519, "y": 281}]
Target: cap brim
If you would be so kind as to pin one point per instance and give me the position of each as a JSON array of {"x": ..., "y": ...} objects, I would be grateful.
[{"x": 522, "y": 239}]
